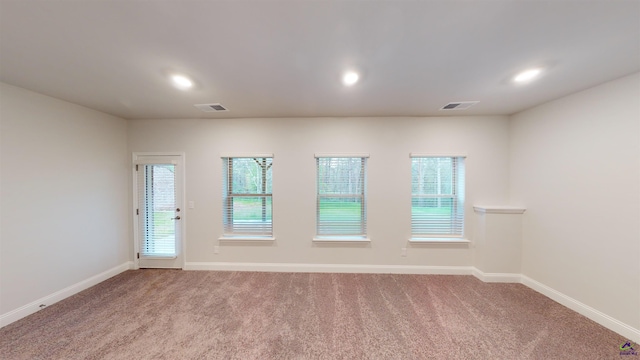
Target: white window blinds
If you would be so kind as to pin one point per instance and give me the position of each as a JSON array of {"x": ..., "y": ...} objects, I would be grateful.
[
  {"x": 157, "y": 208},
  {"x": 246, "y": 196},
  {"x": 341, "y": 196},
  {"x": 437, "y": 196}
]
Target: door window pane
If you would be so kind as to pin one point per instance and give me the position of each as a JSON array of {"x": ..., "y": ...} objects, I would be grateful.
[{"x": 158, "y": 208}]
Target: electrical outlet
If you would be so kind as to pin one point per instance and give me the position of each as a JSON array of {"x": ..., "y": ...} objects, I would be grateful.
[
  {"x": 403, "y": 252},
  {"x": 216, "y": 249}
]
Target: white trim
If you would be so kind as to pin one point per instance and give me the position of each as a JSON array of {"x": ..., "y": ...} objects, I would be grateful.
[
  {"x": 32, "y": 307},
  {"x": 341, "y": 155},
  {"x": 481, "y": 209},
  {"x": 156, "y": 153},
  {"x": 246, "y": 238},
  {"x": 496, "y": 277},
  {"x": 601, "y": 318},
  {"x": 134, "y": 208},
  {"x": 246, "y": 155},
  {"x": 341, "y": 239},
  {"x": 158, "y": 267},
  {"x": 330, "y": 268},
  {"x": 159, "y": 160},
  {"x": 426, "y": 240},
  {"x": 134, "y": 204},
  {"x": 418, "y": 155},
  {"x": 607, "y": 321}
]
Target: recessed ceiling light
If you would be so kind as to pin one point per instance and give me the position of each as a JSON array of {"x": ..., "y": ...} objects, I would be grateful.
[
  {"x": 181, "y": 82},
  {"x": 350, "y": 77},
  {"x": 527, "y": 75}
]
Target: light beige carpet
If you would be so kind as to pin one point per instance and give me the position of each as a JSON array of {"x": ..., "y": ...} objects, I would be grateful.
[{"x": 173, "y": 314}]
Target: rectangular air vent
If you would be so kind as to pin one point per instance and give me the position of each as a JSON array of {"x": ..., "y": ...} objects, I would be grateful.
[
  {"x": 459, "y": 105},
  {"x": 211, "y": 107}
]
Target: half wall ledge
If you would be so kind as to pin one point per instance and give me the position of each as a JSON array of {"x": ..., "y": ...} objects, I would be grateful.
[{"x": 501, "y": 209}]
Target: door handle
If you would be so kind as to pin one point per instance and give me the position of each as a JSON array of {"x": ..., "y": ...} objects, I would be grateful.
[{"x": 176, "y": 218}]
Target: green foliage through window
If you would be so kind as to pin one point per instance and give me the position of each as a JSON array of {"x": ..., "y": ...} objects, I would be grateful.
[
  {"x": 247, "y": 198},
  {"x": 437, "y": 196},
  {"x": 341, "y": 206}
]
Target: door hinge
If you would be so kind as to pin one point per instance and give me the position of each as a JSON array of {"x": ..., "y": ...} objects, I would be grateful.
[
  {"x": 138, "y": 256},
  {"x": 137, "y": 211},
  {"x": 136, "y": 167}
]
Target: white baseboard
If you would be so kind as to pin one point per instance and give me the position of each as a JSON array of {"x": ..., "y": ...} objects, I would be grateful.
[
  {"x": 330, "y": 268},
  {"x": 26, "y": 310},
  {"x": 496, "y": 277},
  {"x": 619, "y": 327},
  {"x": 603, "y": 319}
]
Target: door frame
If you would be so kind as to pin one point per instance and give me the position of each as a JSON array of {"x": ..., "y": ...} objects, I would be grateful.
[{"x": 181, "y": 247}]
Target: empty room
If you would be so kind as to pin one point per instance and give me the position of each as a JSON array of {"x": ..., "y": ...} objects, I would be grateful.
[{"x": 326, "y": 179}]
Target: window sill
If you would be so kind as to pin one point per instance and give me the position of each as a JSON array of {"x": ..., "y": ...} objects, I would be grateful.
[
  {"x": 439, "y": 241},
  {"x": 246, "y": 238},
  {"x": 481, "y": 209},
  {"x": 158, "y": 257},
  {"x": 342, "y": 239}
]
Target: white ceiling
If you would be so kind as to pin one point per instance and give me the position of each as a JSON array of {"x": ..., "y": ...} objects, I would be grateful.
[{"x": 285, "y": 58}]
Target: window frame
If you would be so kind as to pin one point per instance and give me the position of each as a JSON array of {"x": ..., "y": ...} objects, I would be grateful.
[
  {"x": 230, "y": 231},
  {"x": 362, "y": 236},
  {"x": 457, "y": 197}
]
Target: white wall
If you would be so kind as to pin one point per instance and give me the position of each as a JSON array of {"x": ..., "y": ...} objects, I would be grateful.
[
  {"x": 64, "y": 195},
  {"x": 293, "y": 143},
  {"x": 573, "y": 163},
  {"x": 575, "y": 166}
]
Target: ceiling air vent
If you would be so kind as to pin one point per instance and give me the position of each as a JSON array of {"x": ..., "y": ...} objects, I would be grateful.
[
  {"x": 211, "y": 107},
  {"x": 459, "y": 105}
]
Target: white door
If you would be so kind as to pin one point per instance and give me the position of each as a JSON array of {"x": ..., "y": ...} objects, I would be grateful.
[{"x": 159, "y": 212}]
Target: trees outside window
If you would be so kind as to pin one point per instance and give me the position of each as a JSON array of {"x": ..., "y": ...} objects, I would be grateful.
[
  {"x": 341, "y": 196},
  {"x": 247, "y": 196},
  {"x": 437, "y": 196}
]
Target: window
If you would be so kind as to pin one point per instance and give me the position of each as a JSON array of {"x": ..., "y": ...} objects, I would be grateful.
[
  {"x": 157, "y": 209},
  {"x": 437, "y": 196},
  {"x": 341, "y": 197},
  {"x": 247, "y": 198}
]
